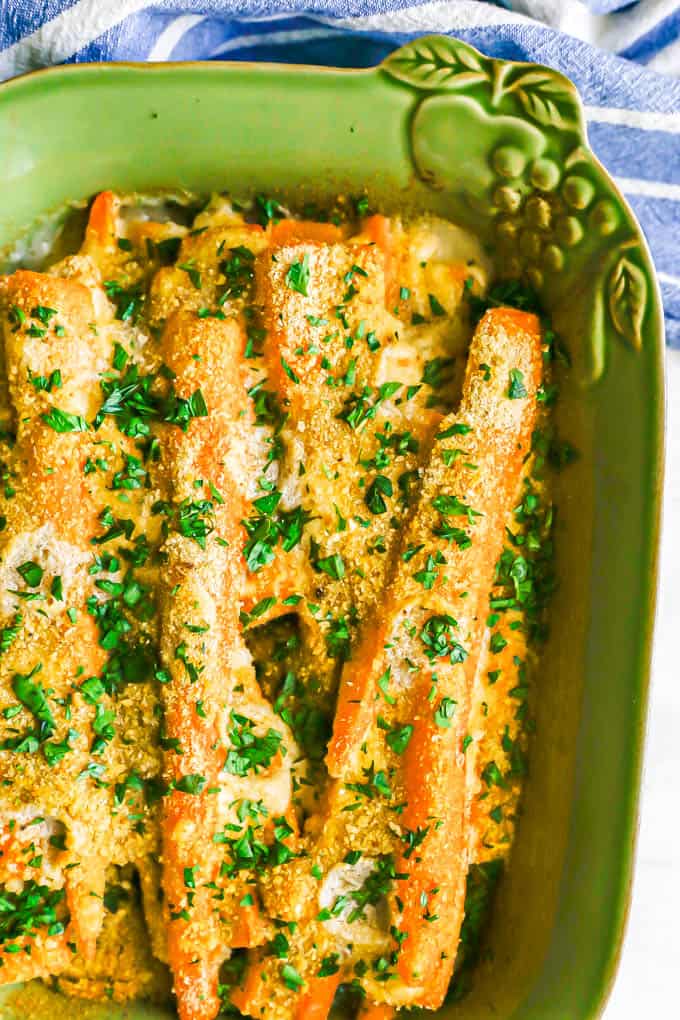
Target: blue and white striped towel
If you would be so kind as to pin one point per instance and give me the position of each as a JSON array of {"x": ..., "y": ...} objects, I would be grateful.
[{"x": 622, "y": 56}]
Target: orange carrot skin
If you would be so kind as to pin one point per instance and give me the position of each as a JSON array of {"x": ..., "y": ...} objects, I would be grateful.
[
  {"x": 195, "y": 979},
  {"x": 207, "y": 356},
  {"x": 437, "y": 754},
  {"x": 316, "y": 1000},
  {"x": 247, "y": 995},
  {"x": 312, "y": 1002},
  {"x": 250, "y": 929},
  {"x": 379, "y": 230},
  {"x": 44, "y": 961},
  {"x": 101, "y": 225},
  {"x": 47, "y": 955},
  {"x": 433, "y": 895},
  {"x": 299, "y": 231},
  {"x": 356, "y": 704}
]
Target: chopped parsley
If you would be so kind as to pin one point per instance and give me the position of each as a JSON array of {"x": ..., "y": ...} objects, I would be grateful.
[
  {"x": 268, "y": 210},
  {"x": 399, "y": 737},
  {"x": 516, "y": 387},
  {"x": 47, "y": 383},
  {"x": 297, "y": 277},
  {"x": 192, "y": 272},
  {"x": 64, "y": 421},
  {"x": 193, "y": 784},
  {"x": 268, "y": 527},
  {"x": 437, "y": 636},
  {"x": 436, "y": 307},
  {"x": 239, "y": 272},
  {"x": 289, "y": 371},
  {"x": 31, "y": 572},
  {"x": 249, "y": 751},
  {"x": 24, "y": 914},
  {"x": 134, "y": 403},
  {"x": 9, "y": 633},
  {"x": 374, "y": 498},
  {"x": 333, "y": 566},
  {"x": 445, "y": 712},
  {"x": 362, "y": 407},
  {"x": 452, "y": 506},
  {"x": 128, "y": 301}
]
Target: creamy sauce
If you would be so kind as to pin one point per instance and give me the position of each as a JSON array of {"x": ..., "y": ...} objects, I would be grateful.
[{"x": 350, "y": 518}]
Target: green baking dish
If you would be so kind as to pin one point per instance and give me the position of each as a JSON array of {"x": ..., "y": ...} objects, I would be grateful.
[{"x": 499, "y": 147}]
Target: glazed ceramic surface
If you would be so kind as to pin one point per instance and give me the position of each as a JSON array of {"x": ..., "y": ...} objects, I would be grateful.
[{"x": 499, "y": 147}]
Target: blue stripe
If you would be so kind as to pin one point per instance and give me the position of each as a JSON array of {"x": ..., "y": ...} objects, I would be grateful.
[
  {"x": 338, "y": 51},
  {"x": 632, "y": 152},
  {"x": 202, "y": 38},
  {"x": 608, "y": 6},
  {"x": 235, "y": 29},
  {"x": 660, "y": 220},
  {"x": 648, "y": 45}
]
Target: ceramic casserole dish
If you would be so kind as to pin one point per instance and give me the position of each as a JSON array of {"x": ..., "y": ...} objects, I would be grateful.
[{"x": 499, "y": 147}]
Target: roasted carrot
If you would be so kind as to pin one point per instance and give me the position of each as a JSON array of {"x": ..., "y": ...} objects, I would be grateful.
[
  {"x": 76, "y": 875},
  {"x": 304, "y": 353},
  {"x": 378, "y": 229},
  {"x": 458, "y": 523},
  {"x": 34, "y": 953},
  {"x": 316, "y": 1000},
  {"x": 125, "y": 250},
  {"x": 48, "y": 337},
  {"x": 250, "y": 994},
  {"x": 209, "y": 667},
  {"x": 261, "y": 994},
  {"x": 214, "y": 266},
  {"x": 37, "y": 957},
  {"x": 500, "y": 412},
  {"x": 50, "y": 327},
  {"x": 290, "y": 314},
  {"x": 307, "y": 356},
  {"x": 376, "y": 1011},
  {"x": 100, "y": 232},
  {"x": 250, "y": 927},
  {"x": 356, "y": 705},
  {"x": 195, "y": 585},
  {"x": 53, "y": 426},
  {"x": 501, "y": 676},
  {"x": 304, "y": 231},
  {"x": 53, "y": 467}
]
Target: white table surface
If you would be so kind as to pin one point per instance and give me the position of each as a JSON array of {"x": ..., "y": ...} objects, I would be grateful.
[{"x": 646, "y": 986}]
